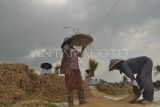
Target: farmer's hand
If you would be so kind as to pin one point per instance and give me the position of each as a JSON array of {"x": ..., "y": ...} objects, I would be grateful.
[
  {"x": 79, "y": 54},
  {"x": 82, "y": 50},
  {"x": 91, "y": 74},
  {"x": 136, "y": 91},
  {"x": 135, "y": 88}
]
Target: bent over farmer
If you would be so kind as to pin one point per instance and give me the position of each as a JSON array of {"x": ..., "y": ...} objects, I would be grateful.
[
  {"x": 142, "y": 83},
  {"x": 70, "y": 67}
]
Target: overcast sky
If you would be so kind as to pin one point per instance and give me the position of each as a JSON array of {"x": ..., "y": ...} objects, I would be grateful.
[{"x": 29, "y": 26}]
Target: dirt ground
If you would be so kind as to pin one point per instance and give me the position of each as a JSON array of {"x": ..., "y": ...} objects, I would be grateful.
[{"x": 100, "y": 101}]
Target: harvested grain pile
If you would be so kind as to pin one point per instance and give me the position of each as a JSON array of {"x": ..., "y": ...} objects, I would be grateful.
[
  {"x": 20, "y": 83},
  {"x": 15, "y": 80}
]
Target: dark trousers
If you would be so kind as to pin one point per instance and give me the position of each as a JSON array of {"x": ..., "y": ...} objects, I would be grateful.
[
  {"x": 144, "y": 79},
  {"x": 73, "y": 81}
]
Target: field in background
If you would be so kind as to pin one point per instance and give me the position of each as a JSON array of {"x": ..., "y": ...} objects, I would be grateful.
[{"x": 110, "y": 89}]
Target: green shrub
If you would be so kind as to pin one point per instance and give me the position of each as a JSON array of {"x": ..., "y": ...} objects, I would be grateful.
[{"x": 157, "y": 84}]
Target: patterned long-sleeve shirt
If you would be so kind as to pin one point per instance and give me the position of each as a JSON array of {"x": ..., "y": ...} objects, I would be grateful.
[{"x": 69, "y": 61}]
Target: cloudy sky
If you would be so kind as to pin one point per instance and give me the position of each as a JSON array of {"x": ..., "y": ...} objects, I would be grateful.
[{"x": 29, "y": 27}]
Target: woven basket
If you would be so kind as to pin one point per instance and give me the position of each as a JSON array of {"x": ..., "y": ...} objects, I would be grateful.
[{"x": 81, "y": 40}]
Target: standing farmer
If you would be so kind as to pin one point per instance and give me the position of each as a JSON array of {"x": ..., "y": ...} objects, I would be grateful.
[
  {"x": 142, "y": 66},
  {"x": 70, "y": 67}
]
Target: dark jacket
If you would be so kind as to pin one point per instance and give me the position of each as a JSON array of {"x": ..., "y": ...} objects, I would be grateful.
[{"x": 133, "y": 66}]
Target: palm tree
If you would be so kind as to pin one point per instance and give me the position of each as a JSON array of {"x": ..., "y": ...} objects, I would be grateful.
[{"x": 157, "y": 69}]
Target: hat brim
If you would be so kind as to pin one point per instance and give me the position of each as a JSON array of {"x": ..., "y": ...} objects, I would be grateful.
[{"x": 115, "y": 64}]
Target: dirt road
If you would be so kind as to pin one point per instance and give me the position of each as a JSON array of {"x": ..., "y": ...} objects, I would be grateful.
[{"x": 99, "y": 100}]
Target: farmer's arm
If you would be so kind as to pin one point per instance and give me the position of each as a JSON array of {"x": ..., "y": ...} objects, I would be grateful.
[
  {"x": 127, "y": 71},
  {"x": 79, "y": 54}
]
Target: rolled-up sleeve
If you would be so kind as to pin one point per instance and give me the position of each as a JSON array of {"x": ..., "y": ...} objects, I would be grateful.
[{"x": 127, "y": 71}]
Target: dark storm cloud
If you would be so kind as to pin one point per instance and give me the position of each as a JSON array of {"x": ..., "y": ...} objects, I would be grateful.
[{"x": 26, "y": 25}]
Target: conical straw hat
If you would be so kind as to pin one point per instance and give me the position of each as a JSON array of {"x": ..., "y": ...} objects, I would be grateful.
[{"x": 114, "y": 63}]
